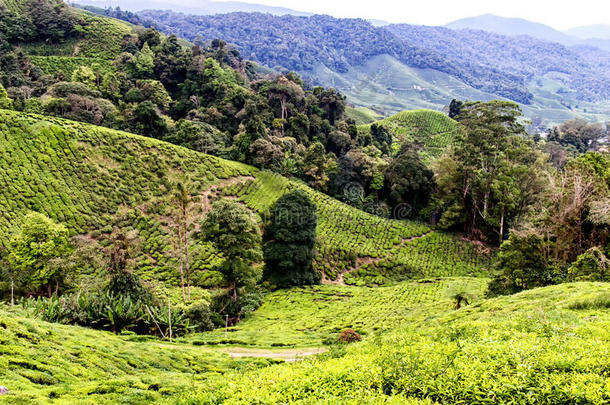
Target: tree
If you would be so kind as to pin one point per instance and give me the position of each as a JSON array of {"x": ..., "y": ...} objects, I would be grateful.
[
  {"x": 233, "y": 230},
  {"x": 494, "y": 176},
  {"x": 408, "y": 180},
  {"x": 182, "y": 200},
  {"x": 148, "y": 121},
  {"x": 123, "y": 282},
  {"x": 455, "y": 108},
  {"x": 289, "y": 241},
  {"x": 38, "y": 241},
  {"x": 284, "y": 90},
  {"x": 145, "y": 61},
  {"x": 8, "y": 273},
  {"x": 85, "y": 75},
  {"x": 521, "y": 264}
]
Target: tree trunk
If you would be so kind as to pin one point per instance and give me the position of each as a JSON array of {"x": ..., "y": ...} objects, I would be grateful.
[
  {"x": 12, "y": 292},
  {"x": 49, "y": 290},
  {"x": 502, "y": 226},
  {"x": 181, "y": 264},
  {"x": 235, "y": 291},
  {"x": 284, "y": 113},
  {"x": 56, "y": 287},
  {"x": 169, "y": 316},
  {"x": 187, "y": 266}
]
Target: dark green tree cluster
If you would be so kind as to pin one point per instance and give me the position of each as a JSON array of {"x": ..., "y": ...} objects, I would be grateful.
[{"x": 289, "y": 241}]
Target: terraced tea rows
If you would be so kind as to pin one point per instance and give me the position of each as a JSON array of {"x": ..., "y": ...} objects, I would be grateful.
[
  {"x": 392, "y": 249},
  {"x": 314, "y": 315},
  {"x": 434, "y": 131},
  {"x": 92, "y": 178}
]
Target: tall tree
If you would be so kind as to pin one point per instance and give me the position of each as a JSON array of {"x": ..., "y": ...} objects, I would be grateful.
[
  {"x": 494, "y": 176},
  {"x": 33, "y": 246},
  {"x": 232, "y": 229},
  {"x": 182, "y": 200},
  {"x": 289, "y": 241}
]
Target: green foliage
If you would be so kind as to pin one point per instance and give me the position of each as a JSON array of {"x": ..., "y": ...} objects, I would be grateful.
[
  {"x": 34, "y": 246},
  {"x": 42, "y": 362},
  {"x": 521, "y": 264},
  {"x": 593, "y": 265},
  {"x": 314, "y": 315},
  {"x": 290, "y": 240},
  {"x": 494, "y": 176},
  {"x": 532, "y": 347},
  {"x": 5, "y": 101},
  {"x": 233, "y": 230}
]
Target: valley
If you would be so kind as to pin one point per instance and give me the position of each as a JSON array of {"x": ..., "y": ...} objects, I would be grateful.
[{"x": 268, "y": 206}]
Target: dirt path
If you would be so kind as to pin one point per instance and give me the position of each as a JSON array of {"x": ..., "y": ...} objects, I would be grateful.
[{"x": 286, "y": 355}]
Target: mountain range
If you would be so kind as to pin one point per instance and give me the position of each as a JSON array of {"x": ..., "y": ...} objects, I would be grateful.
[
  {"x": 204, "y": 7},
  {"x": 593, "y": 35},
  {"x": 400, "y": 66}
]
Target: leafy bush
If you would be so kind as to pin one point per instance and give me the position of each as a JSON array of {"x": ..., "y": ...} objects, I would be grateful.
[{"x": 349, "y": 336}]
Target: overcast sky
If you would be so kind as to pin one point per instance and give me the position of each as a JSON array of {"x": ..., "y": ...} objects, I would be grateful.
[{"x": 560, "y": 14}]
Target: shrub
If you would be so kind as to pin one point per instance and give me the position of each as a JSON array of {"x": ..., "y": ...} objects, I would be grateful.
[{"x": 349, "y": 336}]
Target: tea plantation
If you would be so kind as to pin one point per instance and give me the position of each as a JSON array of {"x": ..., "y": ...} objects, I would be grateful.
[
  {"x": 544, "y": 346},
  {"x": 431, "y": 130},
  {"x": 91, "y": 179},
  {"x": 312, "y": 316}
]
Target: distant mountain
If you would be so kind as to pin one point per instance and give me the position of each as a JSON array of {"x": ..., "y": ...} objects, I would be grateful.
[
  {"x": 595, "y": 35},
  {"x": 399, "y": 67},
  {"x": 203, "y": 7},
  {"x": 599, "y": 31},
  {"x": 511, "y": 27}
]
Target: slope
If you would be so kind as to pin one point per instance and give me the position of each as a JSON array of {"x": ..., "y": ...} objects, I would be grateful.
[
  {"x": 43, "y": 363},
  {"x": 92, "y": 179},
  {"x": 432, "y": 131},
  {"x": 548, "y": 345},
  {"x": 512, "y": 27}
]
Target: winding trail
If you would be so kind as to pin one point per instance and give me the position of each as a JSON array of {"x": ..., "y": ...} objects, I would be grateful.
[{"x": 286, "y": 355}]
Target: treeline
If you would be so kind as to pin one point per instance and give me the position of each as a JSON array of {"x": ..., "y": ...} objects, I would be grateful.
[{"x": 549, "y": 212}]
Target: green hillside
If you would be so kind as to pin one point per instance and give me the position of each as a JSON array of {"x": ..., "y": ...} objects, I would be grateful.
[
  {"x": 544, "y": 346},
  {"x": 547, "y": 345},
  {"x": 92, "y": 178},
  {"x": 43, "y": 362},
  {"x": 314, "y": 316},
  {"x": 385, "y": 84},
  {"x": 433, "y": 131}
]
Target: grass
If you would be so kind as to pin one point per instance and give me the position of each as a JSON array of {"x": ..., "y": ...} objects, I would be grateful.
[
  {"x": 362, "y": 115},
  {"x": 92, "y": 178},
  {"x": 312, "y": 316}
]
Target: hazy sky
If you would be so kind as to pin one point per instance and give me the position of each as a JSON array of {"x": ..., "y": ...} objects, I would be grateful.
[{"x": 560, "y": 14}]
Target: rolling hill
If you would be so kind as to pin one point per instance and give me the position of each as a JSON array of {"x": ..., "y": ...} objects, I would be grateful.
[
  {"x": 416, "y": 350},
  {"x": 511, "y": 27},
  {"x": 92, "y": 178},
  {"x": 433, "y": 131}
]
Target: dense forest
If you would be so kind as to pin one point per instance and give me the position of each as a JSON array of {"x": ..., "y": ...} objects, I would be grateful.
[{"x": 300, "y": 43}]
